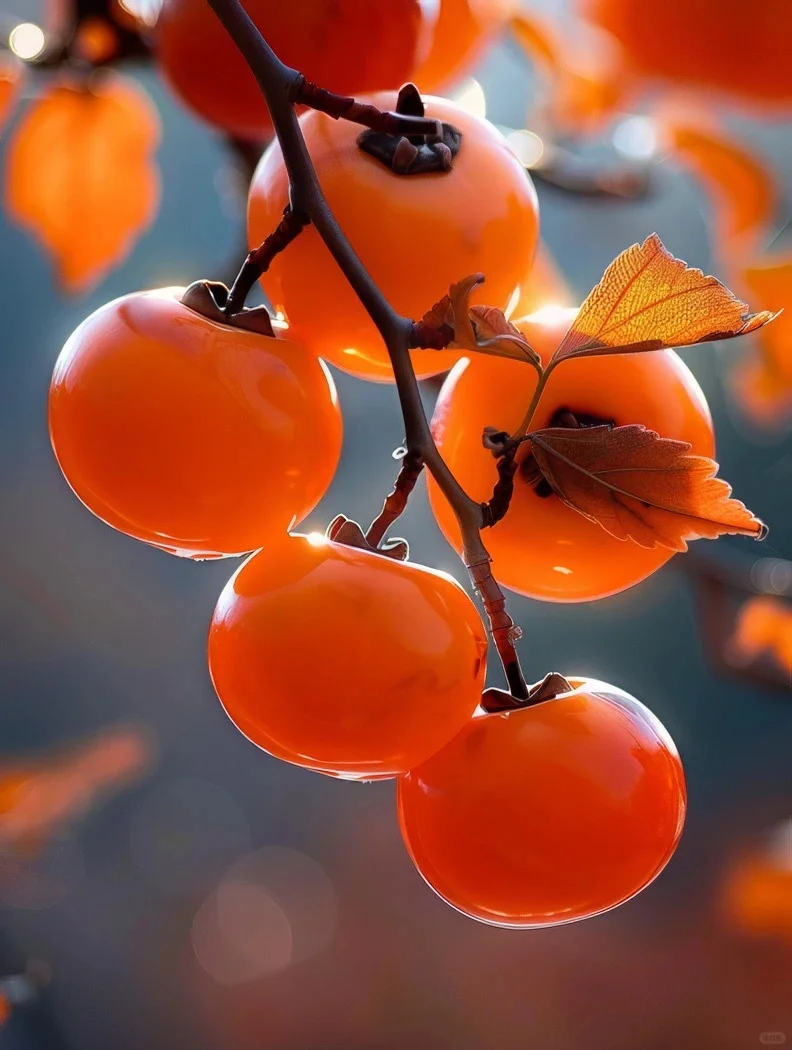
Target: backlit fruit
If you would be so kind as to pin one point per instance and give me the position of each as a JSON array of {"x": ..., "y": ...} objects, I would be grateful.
[
  {"x": 348, "y": 46},
  {"x": 548, "y": 814},
  {"x": 463, "y": 30},
  {"x": 707, "y": 44},
  {"x": 416, "y": 235},
  {"x": 344, "y": 661},
  {"x": 543, "y": 548},
  {"x": 194, "y": 436}
]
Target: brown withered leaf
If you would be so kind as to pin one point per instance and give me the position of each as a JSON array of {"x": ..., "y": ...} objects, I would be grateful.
[
  {"x": 648, "y": 300},
  {"x": 640, "y": 486},
  {"x": 482, "y": 329}
]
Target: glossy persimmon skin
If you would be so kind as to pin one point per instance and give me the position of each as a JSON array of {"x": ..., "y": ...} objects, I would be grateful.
[
  {"x": 344, "y": 661},
  {"x": 463, "y": 30},
  {"x": 549, "y": 814},
  {"x": 348, "y": 46},
  {"x": 542, "y": 548},
  {"x": 706, "y": 44},
  {"x": 416, "y": 235},
  {"x": 193, "y": 436}
]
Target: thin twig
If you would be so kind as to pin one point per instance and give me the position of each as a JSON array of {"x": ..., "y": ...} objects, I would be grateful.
[
  {"x": 502, "y": 494},
  {"x": 260, "y": 259},
  {"x": 279, "y": 85},
  {"x": 396, "y": 502},
  {"x": 342, "y": 107}
]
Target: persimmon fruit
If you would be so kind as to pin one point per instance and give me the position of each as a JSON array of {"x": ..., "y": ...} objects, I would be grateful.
[
  {"x": 344, "y": 661},
  {"x": 549, "y": 813},
  {"x": 415, "y": 235},
  {"x": 543, "y": 548},
  {"x": 463, "y": 30},
  {"x": 348, "y": 46},
  {"x": 191, "y": 435}
]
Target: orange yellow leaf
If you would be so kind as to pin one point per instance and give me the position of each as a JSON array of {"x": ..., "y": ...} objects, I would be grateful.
[
  {"x": 647, "y": 300},
  {"x": 640, "y": 486},
  {"x": 741, "y": 187},
  {"x": 81, "y": 175},
  {"x": 481, "y": 329}
]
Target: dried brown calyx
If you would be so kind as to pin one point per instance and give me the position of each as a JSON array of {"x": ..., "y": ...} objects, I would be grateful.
[
  {"x": 494, "y": 701},
  {"x": 413, "y": 154},
  {"x": 210, "y": 299}
]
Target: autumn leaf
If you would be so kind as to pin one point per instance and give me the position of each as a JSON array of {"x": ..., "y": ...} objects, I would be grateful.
[
  {"x": 741, "y": 188},
  {"x": 481, "y": 329},
  {"x": 640, "y": 486},
  {"x": 648, "y": 300},
  {"x": 81, "y": 175}
]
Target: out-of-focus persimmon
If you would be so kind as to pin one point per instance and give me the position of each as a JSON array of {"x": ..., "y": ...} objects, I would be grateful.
[
  {"x": 462, "y": 32},
  {"x": 546, "y": 288},
  {"x": 96, "y": 40},
  {"x": 11, "y": 79},
  {"x": 723, "y": 45},
  {"x": 349, "y": 46},
  {"x": 81, "y": 175},
  {"x": 756, "y": 897}
]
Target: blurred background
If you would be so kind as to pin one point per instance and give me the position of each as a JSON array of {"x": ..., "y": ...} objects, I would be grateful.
[{"x": 162, "y": 882}]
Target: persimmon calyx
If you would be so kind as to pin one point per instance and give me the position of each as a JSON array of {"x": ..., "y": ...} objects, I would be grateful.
[
  {"x": 552, "y": 685},
  {"x": 430, "y": 150},
  {"x": 347, "y": 532},
  {"x": 209, "y": 299},
  {"x": 481, "y": 329}
]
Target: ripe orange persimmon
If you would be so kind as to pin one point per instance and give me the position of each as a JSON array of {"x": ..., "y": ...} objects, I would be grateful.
[
  {"x": 706, "y": 44},
  {"x": 349, "y": 46},
  {"x": 345, "y": 661},
  {"x": 548, "y": 814},
  {"x": 415, "y": 234},
  {"x": 463, "y": 30},
  {"x": 542, "y": 547},
  {"x": 194, "y": 436}
]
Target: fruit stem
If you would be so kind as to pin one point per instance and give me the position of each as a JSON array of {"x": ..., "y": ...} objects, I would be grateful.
[
  {"x": 260, "y": 259},
  {"x": 278, "y": 83},
  {"x": 341, "y": 107},
  {"x": 522, "y": 430},
  {"x": 502, "y": 494},
  {"x": 396, "y": 502}
]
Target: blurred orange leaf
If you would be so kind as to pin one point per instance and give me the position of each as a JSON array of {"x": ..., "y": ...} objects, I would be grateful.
[
  {"x": 482, "y": 329},
  {"x": 584, "y": 66},
  {"x": 81, "y": 175},
  {"x": 38, "y": 798},
  {"x": 648, "y": 300},
  {"x": 742, "y": 189},
  {"x": 12, "y": 74},
  {"x": 640, "y": 486},
  {"x": 764, "y": 627}
]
